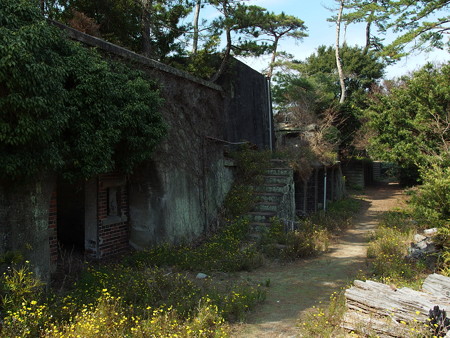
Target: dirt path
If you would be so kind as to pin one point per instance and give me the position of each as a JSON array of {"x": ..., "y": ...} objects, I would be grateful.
[{"x": 295, "y": 288}]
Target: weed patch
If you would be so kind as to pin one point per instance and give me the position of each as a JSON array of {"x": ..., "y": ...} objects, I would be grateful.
[
  {"x": 313, "y": 234},
  {"x": 325, "y": 322},
  {"x": 225, "y": 251},
  {"x": 388, "y": 249}
]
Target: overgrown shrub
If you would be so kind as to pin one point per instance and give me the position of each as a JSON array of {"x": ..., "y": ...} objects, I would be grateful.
[
  {"x": 119, "y": 301},
  {"x": 313, "y": 233},
  {"x": 307, "y": 241},
  {"x": 66, "y": 109},
  {"x": 442, "y": 241},
  {"x": 239, "y": 200},
  {"x": 431, "y": 208},
  {"x": 431, "y": 202},
  {"x": 250, "y": 164}
]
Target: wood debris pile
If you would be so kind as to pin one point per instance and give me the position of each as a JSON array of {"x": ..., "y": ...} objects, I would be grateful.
[{"x": 384, "y": 310}]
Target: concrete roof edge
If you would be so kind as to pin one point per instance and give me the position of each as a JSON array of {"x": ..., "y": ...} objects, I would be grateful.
[{"x": 127, "y": 54}]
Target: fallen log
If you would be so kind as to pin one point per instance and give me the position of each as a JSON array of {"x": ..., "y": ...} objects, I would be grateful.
[
  {"x": 376, "y": 308},
  {"x": 437, "y": 284}
]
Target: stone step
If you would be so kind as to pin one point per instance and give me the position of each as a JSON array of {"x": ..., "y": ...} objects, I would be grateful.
[
  {"x": 261, "y": 216},
  {"x": 266, "y": 206},
  {"x": 279, "y": 171},
  {"x": 281, "y": 179},
  {"x": 279, "y": 162},
  {"x": 271, "y": 187},
  {"x": 268, "y": 196}
]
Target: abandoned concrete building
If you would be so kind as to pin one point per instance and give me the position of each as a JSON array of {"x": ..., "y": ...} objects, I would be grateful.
[{"x": 176, "y": 195}]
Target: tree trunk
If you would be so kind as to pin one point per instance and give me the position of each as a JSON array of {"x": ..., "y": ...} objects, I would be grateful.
[
  {"x": 195, "y": 24},
  {"x": 225, "y": 58},
  {"x": 274, "y": 55},
  {"x": 338, "y": 58},
  {"x": 227, "y": 53},
  {"x": 146, "y": 27},
  {"x": 368, "y": 26}
]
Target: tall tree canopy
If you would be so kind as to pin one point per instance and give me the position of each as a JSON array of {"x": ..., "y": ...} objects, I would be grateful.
[
  {"x": 277, "y": 27},
  {"x": 424, "y": 22},
  {"x": 411, "y": 118},
  {"x": 151, "y": 27},
  {"x": 63, "y": 108},
  {"x": 312, "y": 87},
  {"x": 419, "y": 25}
]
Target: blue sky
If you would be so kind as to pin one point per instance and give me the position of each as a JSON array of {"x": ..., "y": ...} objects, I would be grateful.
[{"x": 320, "y": 32}]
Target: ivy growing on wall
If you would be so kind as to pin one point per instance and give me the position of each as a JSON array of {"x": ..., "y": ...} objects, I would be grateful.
[{"x": 64, "y": 108}]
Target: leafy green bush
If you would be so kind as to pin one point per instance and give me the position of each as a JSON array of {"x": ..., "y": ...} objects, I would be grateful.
[
  {"x": 308, "y": 241},
  {"x": 250, "y": 164},
  {"x": 64, "y": 107},
  {"x": 431, "y": 202},
  {"x": 239, "y": 200},
  {"x": 442, "y": 241}
]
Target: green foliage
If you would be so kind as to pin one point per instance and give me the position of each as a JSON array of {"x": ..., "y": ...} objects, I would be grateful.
[
  {"x": 419, "y": 25},
  {"x": 410, "y": 118},
  {"x": 152, "y": 27},
  {"x": 430, "y": 205},
  {"x": 325, "y": 321},
  {"x": 251, "y": 164},
  {"x": 338, "y": 216},
  {"x": 239, "y": 200},
  {"x": 66, "y": 109},
  {"x": 388, "y": 248},
  {"x": 224, "y": 251},
  {"x": 313, "y": 234},
  {"x": 308, "y": 241},
  {"x": 309, "y": 90},
  {"x": 423, "y": 22},
  {"x": 442, "y": 241},
  {"x": 119, "y": 300},
  {"x": 431, "y": 202},
  {"x": 18, "y": 285}
]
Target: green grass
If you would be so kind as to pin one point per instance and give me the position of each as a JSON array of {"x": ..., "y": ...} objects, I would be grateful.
[{"x": 388, "y": 248}]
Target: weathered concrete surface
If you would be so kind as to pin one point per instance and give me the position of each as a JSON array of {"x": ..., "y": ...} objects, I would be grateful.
[
  {"x": 247, "y": 111},
  {"x": 24, "y": 213},
  {"x": 174, "y": 206}
]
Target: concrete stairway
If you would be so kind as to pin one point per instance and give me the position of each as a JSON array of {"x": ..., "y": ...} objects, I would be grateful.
[{"x": 273, "y": 196}]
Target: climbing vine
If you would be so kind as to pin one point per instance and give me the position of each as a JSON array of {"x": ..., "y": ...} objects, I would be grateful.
[{"x": 66, "y": 109}]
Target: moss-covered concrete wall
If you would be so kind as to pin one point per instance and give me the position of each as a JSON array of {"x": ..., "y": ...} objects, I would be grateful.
[{"x": 177, "y": 195}]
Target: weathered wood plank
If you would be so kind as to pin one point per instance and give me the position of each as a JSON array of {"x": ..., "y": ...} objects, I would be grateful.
[
  {"x": 437, "y": 284},
  {"x": 379, "y": 308}
]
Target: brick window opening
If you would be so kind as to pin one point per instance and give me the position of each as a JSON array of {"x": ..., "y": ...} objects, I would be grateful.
[{"x": 113, "y": 198}]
